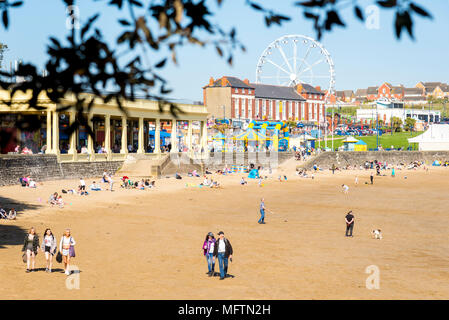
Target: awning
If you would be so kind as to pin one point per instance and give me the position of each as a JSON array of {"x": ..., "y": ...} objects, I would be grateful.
[{"x": 251, "y": 135}]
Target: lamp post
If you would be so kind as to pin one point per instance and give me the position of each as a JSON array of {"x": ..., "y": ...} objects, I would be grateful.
[
  {"x": 377, "y": 129},
  {"x": 332, "y": 124}
]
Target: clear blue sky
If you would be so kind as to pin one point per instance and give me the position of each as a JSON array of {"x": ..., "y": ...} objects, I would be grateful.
[{"x": 362, "y": 57}]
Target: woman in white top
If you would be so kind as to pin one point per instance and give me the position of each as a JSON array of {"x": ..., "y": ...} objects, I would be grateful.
[
  {"x": 49, "y": 248},
  {"x": 12, "y": 214},
  {"x": 66, "y": 242}
]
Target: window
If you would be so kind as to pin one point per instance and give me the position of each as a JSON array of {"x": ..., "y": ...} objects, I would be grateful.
[
  {"x": 276, "y": 112},
  {"x": 236, "y": 108},
  {"x": 244, "y": 108},
  {"x": 290, "y": 109},
  {"x": 303, "y": 110},
  {"x": 236, "y": 90},
  {"x": 250, "y": 109},
  {"x": 264, "y": 110},
  {"x": 297, "y": 116}
]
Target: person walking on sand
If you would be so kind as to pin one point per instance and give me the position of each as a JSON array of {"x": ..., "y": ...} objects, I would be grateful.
[
  {"x": 371, "y": 178},
  {"x": 349, "y": 223},
  {"x": 356, "y": 181},
  {"x": 67, "y": 249},
  {"x": 111, "y": 182},
  {"x": 208, "y": 250},
  {"x": 31, "y": 247},
  {"x": 262, "y": 211},
  {"x": 49, "y": 248},
  {"x": 345, "y": 188},
  {"x": 82, "y": 184},
  {"x": 393, "y": 173},
  {"x": 223, "y": 250}
]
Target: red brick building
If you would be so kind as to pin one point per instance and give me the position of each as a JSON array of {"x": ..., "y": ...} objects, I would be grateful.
[{"x": 239, "y": 99}]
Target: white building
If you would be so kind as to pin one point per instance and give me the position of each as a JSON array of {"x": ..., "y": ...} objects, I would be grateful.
[
  {"x": 386, "y": 109},
  {"x": 436, "y": 138}
]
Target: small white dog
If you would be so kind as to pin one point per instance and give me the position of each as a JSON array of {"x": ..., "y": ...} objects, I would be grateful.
[{"x": 377, "y": 234}]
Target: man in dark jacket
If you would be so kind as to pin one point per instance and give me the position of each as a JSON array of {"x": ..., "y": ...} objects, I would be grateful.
[
  {"x": 349, "y": 219},
  {"x": 223, "y": 250}
]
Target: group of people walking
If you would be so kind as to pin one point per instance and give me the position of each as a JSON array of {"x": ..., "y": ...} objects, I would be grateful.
[
  {"x": 220, "y": 248},
  {"x": 49, "y": 248}
]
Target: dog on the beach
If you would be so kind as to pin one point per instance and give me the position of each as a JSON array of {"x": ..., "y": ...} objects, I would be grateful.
[{"x": 377, "y": 234}]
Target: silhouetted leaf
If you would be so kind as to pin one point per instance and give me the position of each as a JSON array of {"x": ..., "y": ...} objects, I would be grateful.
[
  {"x": 255, "y": 6},
  {"x": 161, "y": 63},
  {"x": 124, "y": 22},
  {"x": 5, "y": 19},
  {"x": 358, "y": 12},
  {"x": 331, "y": 19},
  {"x": 16, "y": 4},
  {"x": 420, "y": 10},
  {"x": 387, "y": 3}
]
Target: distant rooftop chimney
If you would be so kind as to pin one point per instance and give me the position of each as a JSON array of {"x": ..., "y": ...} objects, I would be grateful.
[
  {"x": 211, "y": 81},
  {"x": 246, "y": 81},
  {"x": 224, "y": 80}
]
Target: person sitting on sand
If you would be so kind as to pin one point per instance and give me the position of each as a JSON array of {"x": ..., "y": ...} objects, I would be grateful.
[
  {"x": 178, "y": 176},
  {"x": 243, "y": 182},
  {"x": 32, "y": 184},
  {"x": 345, "y": 188},
  {"x": 22, "y": 182},
  {"x": 12, "y": 214},
  {"x": 195, "y": 174},
  {"x": 94, "y": 187},
  {"x": 81, "y": 192},
  {"x": 205, "y": 181},
  {"x": 141, "y": 185},
  {"x": 152, "y": 184},
  {"x": 53, "y": 199},
  {"x": 214, "y": 184},
  {"x": 3, "y": 214},
  {"x": 60, "y": 202}
]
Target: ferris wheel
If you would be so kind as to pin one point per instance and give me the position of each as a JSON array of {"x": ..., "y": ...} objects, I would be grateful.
[{"x": 295, "y": 59}]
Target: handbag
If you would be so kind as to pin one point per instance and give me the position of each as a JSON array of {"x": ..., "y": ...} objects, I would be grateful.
[
  {"x": 59, "y": 257},
  {"x": 24, "y": 257},
  {"x": 72, "y": 252}
]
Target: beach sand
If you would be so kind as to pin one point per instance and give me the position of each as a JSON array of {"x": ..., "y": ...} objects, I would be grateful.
[{"x": 134, "y": 244}]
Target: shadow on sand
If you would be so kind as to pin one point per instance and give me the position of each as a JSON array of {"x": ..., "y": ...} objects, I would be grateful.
[
  {"x": 11, "y": 235},
  {"x": 8, "y": 203}
]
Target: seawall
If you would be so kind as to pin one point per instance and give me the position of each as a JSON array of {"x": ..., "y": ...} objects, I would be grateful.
[
  {"x": 341, "y": 159},
  {"x": 43, "y": 167}
]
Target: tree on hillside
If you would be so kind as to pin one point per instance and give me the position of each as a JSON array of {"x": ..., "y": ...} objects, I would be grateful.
[
  {"x": 409, "y": 124},
  {"x": 86, "y": 62},
  {"x": 396, "y": 124}
]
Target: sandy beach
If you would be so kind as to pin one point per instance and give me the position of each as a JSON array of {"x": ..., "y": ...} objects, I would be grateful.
[{"x": 134, "y": 244}]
